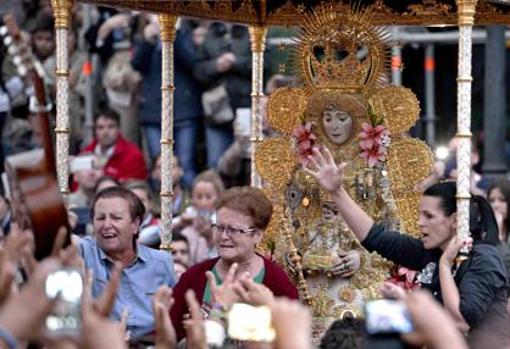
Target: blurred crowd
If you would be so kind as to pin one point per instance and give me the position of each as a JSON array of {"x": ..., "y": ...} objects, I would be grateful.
[{"x": 134, "y": 295}]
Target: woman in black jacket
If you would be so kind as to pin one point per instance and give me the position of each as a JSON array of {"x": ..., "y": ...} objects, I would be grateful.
[{"x": 474, "y": 293}]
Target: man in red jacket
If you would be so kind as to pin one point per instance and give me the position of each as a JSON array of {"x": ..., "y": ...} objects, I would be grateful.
[{"x": 119, "y": 158}]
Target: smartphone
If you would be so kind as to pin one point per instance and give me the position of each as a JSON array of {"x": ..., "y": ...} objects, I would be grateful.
[
  {"x": 386, "y": 317},
  {"x": 242, "y": 122},
  {"x": 82, "y": 163},
  {"x": 249, "y": 323},
  {"x": 66, "y": 285}
]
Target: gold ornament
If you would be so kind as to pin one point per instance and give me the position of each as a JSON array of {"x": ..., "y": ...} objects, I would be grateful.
[
  {"x": 285, "y": 107},
  {"x": 409, "y": 162},
  {"x": 346, "y": 294},
  {"x": 341, "y": 49},
  {"x": 398, "y": 106},
  {"x": 275, "y": 161},
  {"x": 408, "y": 205}
]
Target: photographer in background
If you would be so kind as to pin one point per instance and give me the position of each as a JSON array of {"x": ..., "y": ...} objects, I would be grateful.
[{"x": 195, "y": 222}]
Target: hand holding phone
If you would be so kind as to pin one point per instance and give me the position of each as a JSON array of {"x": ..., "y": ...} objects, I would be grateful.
[
  {"x": 249, "y": 323},
  {"x": 385, "y": 316},
  {"x": 66, "y": 284}
]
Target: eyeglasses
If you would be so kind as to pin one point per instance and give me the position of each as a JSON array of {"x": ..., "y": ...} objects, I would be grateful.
[{"x": 231, "y": 231}]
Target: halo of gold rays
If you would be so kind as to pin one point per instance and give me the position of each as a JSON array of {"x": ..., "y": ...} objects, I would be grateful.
[
  {"x": 353, "y": 29},
  {"x": 285, "y": 109},
  {"x": 409, "y": 163},
  {"x": 398, "y": 106},
  {"x": 275, "y": 161}
]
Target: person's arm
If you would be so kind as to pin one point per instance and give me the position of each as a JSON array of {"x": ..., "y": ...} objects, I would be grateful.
[
  {"x": 330, "y": 176},
  {"x": 478, "y": 287},
  {"x": 185, "y": 52},
  {"x": 205, "y": 70},
  {"x": 432, "y": 326},
  {"x": 142, "y": 55},
  {"x": 451, "y": 296}
]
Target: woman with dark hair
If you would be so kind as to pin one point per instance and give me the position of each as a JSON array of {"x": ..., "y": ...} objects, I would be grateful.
[
  {"x": 474, "y": 293},
  {"x": 243, "y": 213},
  {"x": 499, "y": 197}
]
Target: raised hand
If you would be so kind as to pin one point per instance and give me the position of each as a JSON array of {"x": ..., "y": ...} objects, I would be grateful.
[
  {"x": 223, "y": 294},
  {"x": 323, "y": 168},
  {"x": 165, "y": 331},
  {"x": 251, "y": 292},
  {"x": 452, "y": 249},
  {"x": 292, "y": 323},
  {"x": 194, "y": 325},
  {"x": 392, "y": 291}
]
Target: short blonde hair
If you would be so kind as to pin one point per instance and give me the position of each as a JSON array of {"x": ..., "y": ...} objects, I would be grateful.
[{"x": 210, "y": 176}]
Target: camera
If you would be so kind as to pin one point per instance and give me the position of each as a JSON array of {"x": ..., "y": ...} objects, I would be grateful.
[{"x": 66, "y": 285}]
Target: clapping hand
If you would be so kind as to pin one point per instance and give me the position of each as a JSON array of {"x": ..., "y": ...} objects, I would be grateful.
[
  {"x": 225, "y": 293},
  {"x": 165, "y": 331}
]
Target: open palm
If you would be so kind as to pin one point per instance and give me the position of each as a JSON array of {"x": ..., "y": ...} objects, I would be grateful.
[{"x": 323, "y": 168}]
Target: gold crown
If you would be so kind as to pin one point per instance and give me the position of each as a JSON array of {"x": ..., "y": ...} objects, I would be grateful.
[{"x": 352, "y": 57}]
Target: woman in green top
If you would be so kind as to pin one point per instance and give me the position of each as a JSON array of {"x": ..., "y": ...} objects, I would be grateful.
[{"x": 242, "y": 215}]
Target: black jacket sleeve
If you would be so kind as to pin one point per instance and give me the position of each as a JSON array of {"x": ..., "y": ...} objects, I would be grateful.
[
  {"x": 399, "y": 248},
  {"x": 481, "y": 284}
]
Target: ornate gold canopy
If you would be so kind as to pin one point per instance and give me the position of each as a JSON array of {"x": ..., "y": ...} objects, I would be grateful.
[{"x": 291, "y": 12}]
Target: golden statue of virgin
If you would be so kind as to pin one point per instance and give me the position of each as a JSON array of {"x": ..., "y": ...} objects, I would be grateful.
[{"x": 346, "y": 105}]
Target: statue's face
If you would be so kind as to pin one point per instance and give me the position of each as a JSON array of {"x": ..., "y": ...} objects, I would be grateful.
[{"x": 338, "y": 125}]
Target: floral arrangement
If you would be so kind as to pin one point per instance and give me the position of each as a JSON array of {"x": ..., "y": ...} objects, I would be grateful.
[
  {"x": 305, "y": 142},
  {"x": 404, "y": 278},
  {"x": 374, "y": 140}
]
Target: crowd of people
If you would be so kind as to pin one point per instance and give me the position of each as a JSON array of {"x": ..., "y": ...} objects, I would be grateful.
[{"x": 135, "y": 295}]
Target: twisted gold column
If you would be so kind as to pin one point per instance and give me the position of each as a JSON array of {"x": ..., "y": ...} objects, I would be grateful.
[
  {"x": 167, "y": 24},
  {"x": 466, "y": 13},
  {"x": 258, "y": 44},
  {"x": 62, "y": 13}
]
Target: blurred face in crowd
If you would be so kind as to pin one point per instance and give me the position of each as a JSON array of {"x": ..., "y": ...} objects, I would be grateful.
[
  {"x": 87, "y": 179},
  {"x": 235, "y": 235},
  {"x": 498, "y": 202},
  {"x": 107, "y": 131},
  {"x": 144, "y": 198},
  {"x": 436, "y": 227},
  {"x": 44, "y": 44},
  {"x": 176, "y": 170},
  {"x": 114, "y": 229},
  {"x": 107, "y": 183},
  {"x": 180, "y": 252},
  {"x": 203, "y": 196}
]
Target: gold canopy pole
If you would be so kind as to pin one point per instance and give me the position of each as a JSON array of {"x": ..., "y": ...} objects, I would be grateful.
[
  {"x": 167, "y": 24},
  {"x": 62, "y": 13},
  {"x": 258, "y": 44},
  {"x": 466, "y": 13}
]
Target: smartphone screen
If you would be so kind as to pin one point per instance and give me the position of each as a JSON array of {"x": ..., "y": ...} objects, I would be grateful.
[
  {"x": 82, "y": 163},
  {"x": 242, "y": 123},
  {"x": 67, "y": 286},
  {"x": 384, "y": 316}
]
